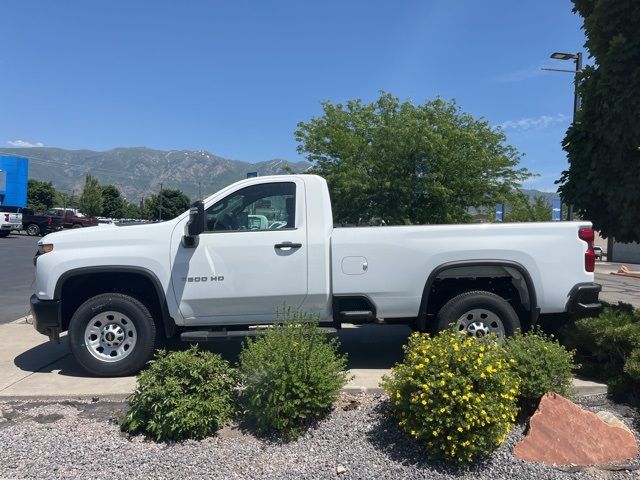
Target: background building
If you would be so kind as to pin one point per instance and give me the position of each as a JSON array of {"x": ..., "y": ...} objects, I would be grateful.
[{"x": 14, "y": 174}]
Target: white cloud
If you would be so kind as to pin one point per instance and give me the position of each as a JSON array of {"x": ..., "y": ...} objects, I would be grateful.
[
  {"x": 535, "y": 123},
  {"x": 23, "y": 144}
]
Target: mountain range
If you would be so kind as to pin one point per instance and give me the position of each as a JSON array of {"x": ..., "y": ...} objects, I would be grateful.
[{"x": 140, "y": 171}]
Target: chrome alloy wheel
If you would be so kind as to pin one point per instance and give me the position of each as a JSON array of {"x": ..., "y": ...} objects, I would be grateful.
[
  {"x": 110, "y": 336},
  {"x": 479, "y": 322}
]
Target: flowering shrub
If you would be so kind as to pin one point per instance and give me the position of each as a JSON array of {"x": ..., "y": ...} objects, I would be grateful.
[{"x": 454, "y": 394}]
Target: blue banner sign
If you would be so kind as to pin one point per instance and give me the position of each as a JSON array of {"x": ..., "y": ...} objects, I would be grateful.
[{"x": 556, "y": 210}]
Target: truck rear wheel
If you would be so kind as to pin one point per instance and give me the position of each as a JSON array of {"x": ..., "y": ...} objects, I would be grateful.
[
  {"x": 33, "y": 230},
  {"x": 112, "y": 335},
  {"x": 4, "y": 233},
  {"x": 477, "y": 314}
]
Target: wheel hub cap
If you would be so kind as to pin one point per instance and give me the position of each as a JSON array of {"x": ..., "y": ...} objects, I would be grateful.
[
  {"x": 479, "y": 322},
  {"x": 110, "y": 336}
]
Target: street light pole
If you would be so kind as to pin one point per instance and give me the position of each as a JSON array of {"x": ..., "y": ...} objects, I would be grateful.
[{"x": 577, "y": 101}]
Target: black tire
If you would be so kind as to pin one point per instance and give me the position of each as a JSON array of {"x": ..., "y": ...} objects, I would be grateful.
[
  {"x": 33, "y": 230},
  {"x": 455, "y": 308},
  {"x": 132, "y": 309},
  {"x": 77, "y": 225},
  {"x": 4, "y": 233}
]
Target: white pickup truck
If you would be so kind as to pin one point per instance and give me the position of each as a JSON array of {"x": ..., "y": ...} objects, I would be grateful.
[
  {"x": 10, "y": 219},
  {"x": 228, "y": 264}
]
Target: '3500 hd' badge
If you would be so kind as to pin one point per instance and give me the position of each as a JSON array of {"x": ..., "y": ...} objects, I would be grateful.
[{"x": 213, "y": 278}]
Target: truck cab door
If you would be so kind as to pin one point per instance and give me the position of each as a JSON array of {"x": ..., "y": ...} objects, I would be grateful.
[{"x": 250, "y": 260}]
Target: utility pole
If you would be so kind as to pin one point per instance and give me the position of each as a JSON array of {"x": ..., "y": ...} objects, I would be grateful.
[{"x": 160, "y": 204}]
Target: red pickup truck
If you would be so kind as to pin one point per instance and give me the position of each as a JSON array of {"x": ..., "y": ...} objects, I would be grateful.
[{"x": 72, "y": 218}]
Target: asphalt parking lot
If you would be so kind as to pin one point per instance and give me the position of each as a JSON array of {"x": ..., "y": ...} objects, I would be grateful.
[{"x": 16, "y": 275}]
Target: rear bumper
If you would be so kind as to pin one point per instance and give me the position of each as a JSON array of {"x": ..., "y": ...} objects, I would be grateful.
[
  {"x": 46, "y": 317},
  {"x": 583, "y": 300}
]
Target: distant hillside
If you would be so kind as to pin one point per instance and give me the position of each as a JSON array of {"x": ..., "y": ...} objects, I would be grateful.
[
  {"x": 139, "y": 171},
  {"x": 549, "y": 196}
]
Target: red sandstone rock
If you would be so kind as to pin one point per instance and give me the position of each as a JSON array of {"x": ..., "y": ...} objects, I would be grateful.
[{"x": 562, "y": 433}]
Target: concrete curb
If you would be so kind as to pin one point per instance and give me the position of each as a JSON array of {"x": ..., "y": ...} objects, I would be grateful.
[{"x": 582, "y": 388}]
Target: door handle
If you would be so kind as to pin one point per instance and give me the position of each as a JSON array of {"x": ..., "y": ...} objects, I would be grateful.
[{"x": 282, "y": 245}]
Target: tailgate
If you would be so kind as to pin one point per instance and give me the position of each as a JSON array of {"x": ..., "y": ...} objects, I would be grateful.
[{"x": 11, "y": 218}]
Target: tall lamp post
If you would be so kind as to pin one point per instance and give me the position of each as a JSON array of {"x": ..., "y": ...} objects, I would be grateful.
[{"x": 577, "y": 57}]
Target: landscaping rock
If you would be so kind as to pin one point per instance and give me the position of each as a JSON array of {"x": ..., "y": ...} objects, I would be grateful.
[
  {"x": 562, "y": 433},
  {"x": 612, "y": 420}
]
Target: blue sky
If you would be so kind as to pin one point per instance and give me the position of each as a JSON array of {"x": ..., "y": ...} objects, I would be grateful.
[{"x": 235, "y": 77}]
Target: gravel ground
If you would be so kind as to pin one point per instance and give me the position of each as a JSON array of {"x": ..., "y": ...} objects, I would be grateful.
[{"x": 81, "y": 439}]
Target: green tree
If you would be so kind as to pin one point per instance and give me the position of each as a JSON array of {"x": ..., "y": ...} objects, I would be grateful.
[
  {"x": 90, "y": 202},
  {"x": 404, "y": 163},
  {"x": 131, "y": 210},
  {"x": 112, "y": 202},
  {"x": 40, "y": 195},
  {"x": 171, "y": 202},
  {"x": 603, "y": 144},
  {"x": 520, "y": 209}
]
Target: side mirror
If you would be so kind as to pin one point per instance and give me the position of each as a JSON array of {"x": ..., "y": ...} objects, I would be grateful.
[{"x": 195, "y": 225}]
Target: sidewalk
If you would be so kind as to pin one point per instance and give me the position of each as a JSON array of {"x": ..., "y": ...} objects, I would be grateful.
[{"x": 33, "y": 367}]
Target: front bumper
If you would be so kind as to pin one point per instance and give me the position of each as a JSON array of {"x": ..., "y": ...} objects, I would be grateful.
[
  {"x": 46, "y": 317},
  {"x": 583, "y": 300}
]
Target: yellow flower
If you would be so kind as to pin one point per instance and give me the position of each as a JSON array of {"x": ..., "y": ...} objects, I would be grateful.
[
  {"x": 460, "y": 429},
  {"x": 435, "y": 433}
]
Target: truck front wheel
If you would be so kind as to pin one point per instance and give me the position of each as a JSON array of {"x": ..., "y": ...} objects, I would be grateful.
[
  {"x": 477, "y": 314},
  {"x": 112, "y": 335}
]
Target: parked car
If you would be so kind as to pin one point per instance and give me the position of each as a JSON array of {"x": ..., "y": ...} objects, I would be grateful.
[
  {"x": 598, "y": 252},
  {"x": 10, "y": 219},
  {"x": 106, "y": 222},
  {"x": 39, "y": 223},
  {"x": 207, "y": 274},
  {"x": 72, "y": 218}
]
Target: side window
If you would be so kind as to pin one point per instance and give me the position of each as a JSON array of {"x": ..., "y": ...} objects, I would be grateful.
[{"x": 268, "y": 206}]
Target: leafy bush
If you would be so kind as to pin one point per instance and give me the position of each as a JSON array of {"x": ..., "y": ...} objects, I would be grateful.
[
  {"x": 291, "y": 374},
  {"x": 608, "y": 348},
  {"x": 188, "y": 394},
  {"x": 542, "y": 364},
  {"x": 455, "y": 394}
]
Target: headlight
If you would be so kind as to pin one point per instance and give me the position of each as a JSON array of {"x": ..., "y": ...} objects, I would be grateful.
[{"x": 45, "y": 248}]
